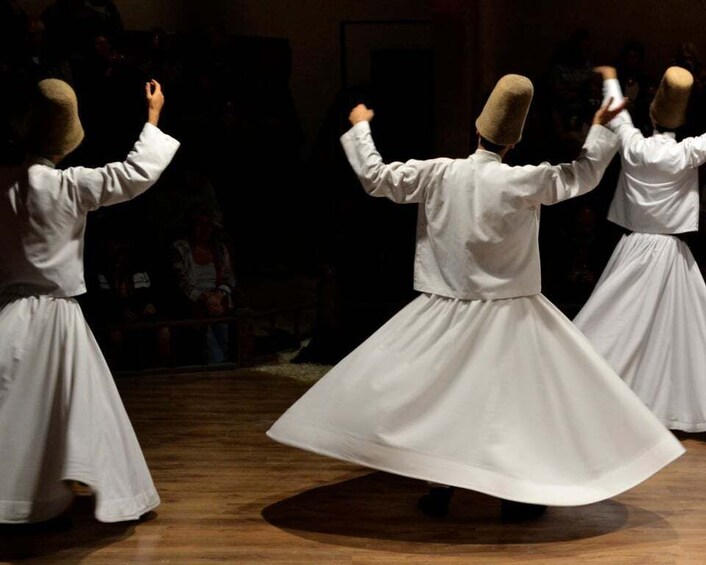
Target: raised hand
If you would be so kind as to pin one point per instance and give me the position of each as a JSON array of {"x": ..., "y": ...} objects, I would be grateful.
[
  {"x": 155, "y": 101},
  {"x": 361, "y": 113},
  {"x": 606, "y": 72},
  {"x": 605, "y": 114}
]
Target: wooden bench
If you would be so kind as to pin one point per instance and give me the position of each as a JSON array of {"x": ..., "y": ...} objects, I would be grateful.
[{"x": 241, "y": 320}]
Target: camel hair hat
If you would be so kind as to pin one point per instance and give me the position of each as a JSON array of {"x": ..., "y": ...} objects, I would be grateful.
[
  {"x": 668, "y": 109},
  {"x": 54, "y": 127},
  {"x": 503, "y": 116}
]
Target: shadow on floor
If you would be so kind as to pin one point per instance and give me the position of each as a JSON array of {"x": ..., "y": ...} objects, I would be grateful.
[
  {"x": 67, "y": 539},
  {"x": 379, "y": 506}
]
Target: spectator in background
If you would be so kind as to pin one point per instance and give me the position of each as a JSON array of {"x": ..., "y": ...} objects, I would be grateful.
[
  {"x": 186, "y": 186},
  {"x": 572, "y": 133},
  {"x": 569, "y": 75},
  {"x": 104, "y": 78},
  {"x": 161, "y": 59},
  {"x": 638, "y": 87},
  {"x": 126, "y": 295},
  {"x": 205, "y": 278},
  {"x": 35, "y": 64},
  {"x": 107, "y": 16},
  {"x": 72, "y": 25}
]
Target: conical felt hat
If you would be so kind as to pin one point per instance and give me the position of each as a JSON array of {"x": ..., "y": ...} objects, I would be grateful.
[
  {"x": 668, "y": 108},
  {"x": 503, "y": 116},
  {"x": 54, "y": 127}
]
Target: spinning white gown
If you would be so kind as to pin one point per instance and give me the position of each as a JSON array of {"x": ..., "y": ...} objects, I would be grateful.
[
  {"x": 481, "y": 382},
  {"x": 647, "y": 317},
  {"x": 647, "y": 314},
  {"x": 61, "y": 417}
]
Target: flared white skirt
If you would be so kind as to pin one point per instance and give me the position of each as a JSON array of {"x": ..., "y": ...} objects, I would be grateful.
[
  {"x": 504, "y": 397},
  {"x": 61, "y": 418},
  {"x": 647, "y": 317}
]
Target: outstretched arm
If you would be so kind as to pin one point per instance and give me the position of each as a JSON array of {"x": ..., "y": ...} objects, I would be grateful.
[
  {"x": 118, "y": 182},
  {"x": 569, "y": 180},
  {"x": 400, "y": 182},
  {"x": 631, "y": 138},
  {"x": 155, "y": 101},
  {"x": 612, "y": 91},
  {"x": 694, "y": 151}
]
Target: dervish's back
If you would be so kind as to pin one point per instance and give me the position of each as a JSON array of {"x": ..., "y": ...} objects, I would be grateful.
[{"x": 43, "y": 213}]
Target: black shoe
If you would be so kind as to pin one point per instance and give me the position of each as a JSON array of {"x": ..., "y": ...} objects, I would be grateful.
[
  {"x": 436, "y": 503},
  {"x": 511, "y": 511}
]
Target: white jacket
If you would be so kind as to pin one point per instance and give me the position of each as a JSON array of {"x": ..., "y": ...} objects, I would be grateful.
[
  {"x": 658, "y": 188},
  {"x": 478, "y": 218},
  {"x": 43, "y": 213}
]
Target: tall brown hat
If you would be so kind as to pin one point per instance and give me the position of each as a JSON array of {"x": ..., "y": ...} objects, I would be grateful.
[
  {"x": 504, "y": 114},
  {"x": 54, "y": 127},
  {"x": 668, "y": 108}
]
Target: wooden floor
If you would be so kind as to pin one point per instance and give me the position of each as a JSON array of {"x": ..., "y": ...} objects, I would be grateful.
[{"x": 230, "y": 495}]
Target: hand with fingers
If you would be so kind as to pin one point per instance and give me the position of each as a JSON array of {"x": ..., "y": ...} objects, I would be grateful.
[
  {"x": 605, "y": 113},
  {"x": 155, "y": 101}
]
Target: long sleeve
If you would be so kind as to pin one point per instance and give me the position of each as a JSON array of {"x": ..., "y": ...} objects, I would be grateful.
[
  {"x": 631, "y": 139},
  {"x": 611, "y": 89},
  {"x": 691, "y": 152},
  {"x": 118, "y": 182},
  {"x": 400, "y": 182},
  {"x": 561, "y": 182},
  {"x": 695, "y": 150}
]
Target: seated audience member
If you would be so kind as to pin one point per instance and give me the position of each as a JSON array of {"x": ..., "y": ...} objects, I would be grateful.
[
  {"x": 125, "y": 295},
  {"x": 205, "y": 277}
]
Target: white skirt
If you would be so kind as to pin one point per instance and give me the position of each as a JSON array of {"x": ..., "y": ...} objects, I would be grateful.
[
  {"x": 61, "y": 418},
  {"x": 647, "y": 317},
  {"x": 504, "y": 397}
]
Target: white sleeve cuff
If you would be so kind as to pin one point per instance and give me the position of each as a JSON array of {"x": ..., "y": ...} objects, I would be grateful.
[{"x": 611, "y": 89}]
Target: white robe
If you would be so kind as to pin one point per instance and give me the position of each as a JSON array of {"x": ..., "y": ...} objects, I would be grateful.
[
  {"x": 478, "y": 217},
  {"x": 480, "y": 382},
  {"x": 61, "y": 417},
  {"x": 647, "y": 313},
  {"x": 658, "y": 187}
]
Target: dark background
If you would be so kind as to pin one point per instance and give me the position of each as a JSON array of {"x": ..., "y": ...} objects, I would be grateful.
[{"x": 258, "y": 92}]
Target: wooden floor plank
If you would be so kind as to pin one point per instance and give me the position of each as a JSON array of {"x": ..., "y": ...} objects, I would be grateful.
[{"x": 230, "y": 495}]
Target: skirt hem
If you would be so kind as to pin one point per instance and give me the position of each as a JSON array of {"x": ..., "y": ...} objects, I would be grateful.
[{"x": 432, "y": 469}]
